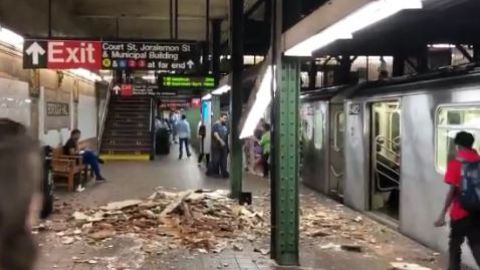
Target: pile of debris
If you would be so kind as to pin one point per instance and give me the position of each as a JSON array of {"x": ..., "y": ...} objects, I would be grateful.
[{"x": 207, "y": 221}]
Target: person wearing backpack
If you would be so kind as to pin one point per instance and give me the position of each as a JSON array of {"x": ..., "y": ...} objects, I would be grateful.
[{"x": 463, "y": 176}]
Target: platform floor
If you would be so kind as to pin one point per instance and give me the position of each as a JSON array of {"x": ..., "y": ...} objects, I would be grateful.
[{"x": 131, "y": 180}]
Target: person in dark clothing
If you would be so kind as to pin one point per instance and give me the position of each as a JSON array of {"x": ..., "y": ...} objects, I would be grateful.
[
  {"x": 219, "y": 148},
  {"x": 265, "y": 143},
  {"x": 20, "y": 198},
  {"x": 89, "y": 158},
  {"x": 463, "y": 224},
  {"x": 201, "y": 134}
]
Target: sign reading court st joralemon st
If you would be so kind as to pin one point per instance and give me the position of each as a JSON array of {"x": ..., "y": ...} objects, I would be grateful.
[{"x": 182, "y": 57}]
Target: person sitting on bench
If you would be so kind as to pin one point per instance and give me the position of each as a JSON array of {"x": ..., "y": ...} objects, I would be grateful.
[{"x": 89, "y": 157}]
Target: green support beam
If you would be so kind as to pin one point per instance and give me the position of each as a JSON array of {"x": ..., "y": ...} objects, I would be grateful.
[{"x": 286, "y": 173}]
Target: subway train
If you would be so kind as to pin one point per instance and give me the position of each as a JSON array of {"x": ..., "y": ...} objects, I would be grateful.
[{"x": 383, "y": 147}]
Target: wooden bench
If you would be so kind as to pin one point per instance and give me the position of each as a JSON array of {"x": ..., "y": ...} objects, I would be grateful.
[{"x": 68, "y": 167}]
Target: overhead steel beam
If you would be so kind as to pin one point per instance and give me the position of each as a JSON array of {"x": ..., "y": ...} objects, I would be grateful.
[
  {"x": 144, "y": 17},
  {"x": 465, "y": 53},
  {"x": 323, "y": 17},
  {"x": 149, "y": 8},
  {"x": 254, "y": 8}
]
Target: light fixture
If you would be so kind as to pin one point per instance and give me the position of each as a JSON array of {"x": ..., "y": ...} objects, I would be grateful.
[
  {"x": 86, "y": 74},
  {"x": 28, "y": 101},
  {"x": 346, "y": 27},
  {"x": 207, "y": 97},
  {"x": 11, "y": 38},
  {"x": 262, "y": 101},
  {"x": 441, "y": 46},
  {"x": 222, "y": 90}
]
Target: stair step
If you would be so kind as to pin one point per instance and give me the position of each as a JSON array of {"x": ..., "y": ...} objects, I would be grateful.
[
  {"x": 143, "y": 147},
  {"x": 128, "y": 125},
  {"x": 128, "y": 141},
  {"x": 127, "y": 133},
  {"x": 124, "y": 149},
  {"x": 130, "y": 108}
]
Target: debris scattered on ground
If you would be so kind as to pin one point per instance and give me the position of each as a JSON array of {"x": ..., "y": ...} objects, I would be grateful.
[
  {"x": 206, "y": 221},
  {"x": 407, "y": 266}
]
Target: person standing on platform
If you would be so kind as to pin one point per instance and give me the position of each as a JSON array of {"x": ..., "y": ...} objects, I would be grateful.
[
  {"x": 265, "y": 143},
  {"x": 173, "y": 124},
  {"x": 219, "y": 148},
  {"x": 204, "y": 144},
  {"x": 464, "y": 224},
  {"x": 183, "y": 133}
]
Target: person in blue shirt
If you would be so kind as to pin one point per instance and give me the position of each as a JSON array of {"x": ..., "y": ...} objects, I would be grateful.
[{"x": 183, "y": 132}]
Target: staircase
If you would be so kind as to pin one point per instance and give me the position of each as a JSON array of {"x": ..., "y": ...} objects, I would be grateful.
[{"x": 127, "y": 130}]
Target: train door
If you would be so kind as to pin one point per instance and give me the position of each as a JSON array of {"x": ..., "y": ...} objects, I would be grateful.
[
  {"x": 337, "y": 162},
  {"x": 385, "y": 158}
]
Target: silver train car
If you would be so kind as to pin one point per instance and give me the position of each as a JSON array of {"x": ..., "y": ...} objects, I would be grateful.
[{"x": 383, "y": 147}]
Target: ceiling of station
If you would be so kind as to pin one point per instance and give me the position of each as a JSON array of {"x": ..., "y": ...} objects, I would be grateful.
[
  {"x": 440, "y": 21},
  {"x": 149, "y": 19}
]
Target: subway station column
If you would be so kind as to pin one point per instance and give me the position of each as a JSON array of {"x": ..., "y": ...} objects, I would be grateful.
[
  {"x": 287, "y": 157},
  {"x": 285, "y": 148},
  {"x": 236, "y": 97},
  {"x": 34, "y": 89}
]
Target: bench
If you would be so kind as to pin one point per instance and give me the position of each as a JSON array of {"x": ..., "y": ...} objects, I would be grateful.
[{"x": 68, "y": 167}]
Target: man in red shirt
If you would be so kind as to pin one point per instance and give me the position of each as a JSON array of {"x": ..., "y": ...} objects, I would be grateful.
[{"x": 463, "y": 224}]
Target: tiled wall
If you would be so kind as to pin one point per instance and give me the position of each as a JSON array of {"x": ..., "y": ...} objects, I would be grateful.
[{"x": 17, "y": 101}]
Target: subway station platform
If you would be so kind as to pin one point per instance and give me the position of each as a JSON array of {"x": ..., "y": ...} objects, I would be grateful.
[{"x": 359, "y": 243}]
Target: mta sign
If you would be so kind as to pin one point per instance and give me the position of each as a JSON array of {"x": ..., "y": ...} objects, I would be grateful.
[{"x": 181, "y": 57}]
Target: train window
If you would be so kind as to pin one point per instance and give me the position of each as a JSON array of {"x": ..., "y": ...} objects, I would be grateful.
[
  {"x": 339, "y": 130},
  {"x": 451, "y": 120},
  {"x": 318, "y": 129}
]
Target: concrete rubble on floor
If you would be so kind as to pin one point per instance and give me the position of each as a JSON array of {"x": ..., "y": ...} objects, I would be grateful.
[{"x": 139, "y": 233}]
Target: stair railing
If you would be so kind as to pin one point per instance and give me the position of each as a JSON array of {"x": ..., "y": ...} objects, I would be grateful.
[
  {"x": 152, "y": 127},
  {"x": 103, "y": 116}
]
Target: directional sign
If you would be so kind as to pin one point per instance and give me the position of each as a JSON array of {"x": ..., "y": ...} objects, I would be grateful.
[
  {"x": 186, "y": 82},
  {"x": 183, "y": 57},
  {"x": 180, "y": 57}
]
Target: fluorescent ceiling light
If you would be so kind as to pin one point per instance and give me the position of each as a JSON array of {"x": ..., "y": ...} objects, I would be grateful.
[
  {"x": 11, "y": 38},
  {"x": 441, "y": 46},
  {"x": 346, "y": 27},
  {"x": 262, "y": 101},
  {"x": 222, "y": 90},
  {"x": 86, "y": 74},
  {"x": 207, "y": 97}
]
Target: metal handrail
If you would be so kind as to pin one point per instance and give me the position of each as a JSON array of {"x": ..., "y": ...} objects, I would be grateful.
[
  {"x": 103, "y": 117},
  {"x": 152, "y": 128},
  {"x": 334, "y": 172},
  {"x": 388, "y": 140},
  {"x": 388, "y": 167},
  {"x": 389, "y": 178}
]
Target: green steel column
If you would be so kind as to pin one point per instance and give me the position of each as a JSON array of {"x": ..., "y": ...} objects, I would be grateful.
[
  {"x": 286, "y": 136},
  {"x": 236, "y": 96}
]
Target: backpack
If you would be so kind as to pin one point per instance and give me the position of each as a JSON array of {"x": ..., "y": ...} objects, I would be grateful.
[{"x": 470, "y": 187}]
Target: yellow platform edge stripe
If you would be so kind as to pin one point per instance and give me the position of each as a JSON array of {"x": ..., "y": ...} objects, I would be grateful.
[{"x": 125, "y": 157}]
